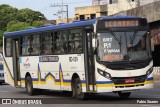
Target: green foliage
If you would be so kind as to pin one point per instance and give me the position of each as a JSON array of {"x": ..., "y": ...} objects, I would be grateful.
[
  {"x": 18, "y": 26},
  {"x": 29, "y": 16},
  {"x": 38, "y": 23},
  {"x": 7, "y": 13},
  {"x": 12, "y": 19},
  {"x": 1, "y": 36}
]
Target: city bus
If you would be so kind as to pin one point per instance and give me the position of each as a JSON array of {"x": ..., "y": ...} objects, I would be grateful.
[{"x": 106, "y": 54}]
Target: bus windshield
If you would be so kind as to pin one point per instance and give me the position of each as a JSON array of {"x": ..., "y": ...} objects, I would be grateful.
[{"x": 123, "y": 46}]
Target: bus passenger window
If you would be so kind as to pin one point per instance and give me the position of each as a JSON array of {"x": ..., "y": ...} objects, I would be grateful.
[
  {"x": 47, "y": 43},
  {"x": 57, "y": 37},
  {"x": 78, "y": 47},
  {"x": 25, "y": 45},
  {"x": 9, "y": 47},
  {"x": 75, "y": 41},
  {"x": 59, "y": 48},
  {"x": 71, "y": 47},
  {"x": 35, "y": 44},
  {"x": 60, "y": 42}
]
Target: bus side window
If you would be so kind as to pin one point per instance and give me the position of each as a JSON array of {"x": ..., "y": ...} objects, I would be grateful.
[
  {"x": 35, "y": 44},
  {"x": 60, "y": 42},
  {"x": 47, "y": 43},
  {"x": 75, "y": 41},
  {"x": 25, "y": 45},
  {"x": 9, "y": 47}
]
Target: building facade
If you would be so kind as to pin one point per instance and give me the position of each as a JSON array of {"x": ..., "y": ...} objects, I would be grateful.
[
  {"x": 144, "y": 2},
  {"x": 103, "y": 8},
  {"x": 90, "y": 12}
]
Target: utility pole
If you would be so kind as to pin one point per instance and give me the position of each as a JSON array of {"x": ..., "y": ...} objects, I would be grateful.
[
  {"x": 138, "y": 7},
  {"x": 57, "y": 5}
]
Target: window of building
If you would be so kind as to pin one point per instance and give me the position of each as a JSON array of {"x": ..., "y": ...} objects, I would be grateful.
[
  {"x": 113, "y": 1},
  {"x": 9, "y": 47},
  {"x": 93, "y": 16},
  {"x": 82, "y": 17},
  {"x": 47, "y": 43},
  {"x": 131, "y": 0}
]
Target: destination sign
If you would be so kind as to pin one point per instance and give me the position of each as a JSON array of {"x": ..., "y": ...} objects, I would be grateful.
[
  {"x": 122, "y": 23},
  {"x": 48, "y": 59}
]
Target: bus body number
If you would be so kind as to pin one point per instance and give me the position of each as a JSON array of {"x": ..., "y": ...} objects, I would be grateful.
[{"x": 73, "y": 59}]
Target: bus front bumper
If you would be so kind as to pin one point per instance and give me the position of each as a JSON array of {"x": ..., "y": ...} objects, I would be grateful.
[{"x": 111, "y": 87}]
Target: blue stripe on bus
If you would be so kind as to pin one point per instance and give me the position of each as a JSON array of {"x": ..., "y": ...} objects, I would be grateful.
[
  {"x": 83, "y": 81},
  {"x": 66, "y": 80},
  {"x": 149, "y": 79},
  {"x": 49, "y": 74},
  {"x": 104, "y": 82},
  {"x": 34, "y": 79}
]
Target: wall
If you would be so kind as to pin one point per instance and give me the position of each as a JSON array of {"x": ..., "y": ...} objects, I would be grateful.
[{"x": 88, "y": 10}]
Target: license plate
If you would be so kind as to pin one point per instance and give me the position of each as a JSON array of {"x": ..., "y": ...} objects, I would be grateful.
[{"x": 131, "y": 80}]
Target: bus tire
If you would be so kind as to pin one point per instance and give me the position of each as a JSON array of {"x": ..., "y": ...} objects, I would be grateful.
[
  {"x": 78, "y": 89},
  {"x": 29, "y": 86},
  {"x": 124, "y": 95}
]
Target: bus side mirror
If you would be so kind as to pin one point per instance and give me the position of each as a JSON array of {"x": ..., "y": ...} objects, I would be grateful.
[{"x": 152, "y": 44}]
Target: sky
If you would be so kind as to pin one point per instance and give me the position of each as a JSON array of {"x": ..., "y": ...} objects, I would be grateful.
[{"x": 44, "y": 6}]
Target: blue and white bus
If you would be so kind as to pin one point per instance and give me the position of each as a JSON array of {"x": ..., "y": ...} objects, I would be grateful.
[{"x": 106, "y": 54}]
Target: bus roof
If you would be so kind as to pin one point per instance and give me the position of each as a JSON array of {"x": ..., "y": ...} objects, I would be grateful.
[{"x": 64, "y": 25}]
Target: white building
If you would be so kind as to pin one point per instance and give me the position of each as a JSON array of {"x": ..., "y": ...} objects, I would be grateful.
[
  {"x": 116, "y": 6},
  {"x": 144, "y": 2}
]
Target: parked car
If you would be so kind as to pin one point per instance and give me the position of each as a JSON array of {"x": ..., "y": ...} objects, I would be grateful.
[{"x": 1, "y": 74}]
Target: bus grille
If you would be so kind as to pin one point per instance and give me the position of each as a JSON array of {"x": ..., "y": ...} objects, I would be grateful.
[{"x": 122, "y": 86}]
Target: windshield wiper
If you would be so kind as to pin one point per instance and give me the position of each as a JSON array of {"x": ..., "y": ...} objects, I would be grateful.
[
  {"x": 133, "y": 37},
  {"x": 115, "y": 36}
]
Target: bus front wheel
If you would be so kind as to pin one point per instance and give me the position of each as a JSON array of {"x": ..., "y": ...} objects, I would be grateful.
[
  {"x": 124, "y": 95},
  {"x": 77, "y": 89},
  {"x": 29, "y": 86}
]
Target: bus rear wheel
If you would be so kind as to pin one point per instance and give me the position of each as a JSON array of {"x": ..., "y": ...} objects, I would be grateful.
[
  {"x": 124, "y": 95},
  {"x": 77, "y": 89},
  {"x": 29, "y": 86}
]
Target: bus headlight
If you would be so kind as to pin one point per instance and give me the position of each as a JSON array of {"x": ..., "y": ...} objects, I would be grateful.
[
  {"x": 149, "y": 71},
  {"x": 104, "y": 74}
]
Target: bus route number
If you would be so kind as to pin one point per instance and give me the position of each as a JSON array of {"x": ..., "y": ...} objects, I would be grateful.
[{"x": 73, "y": 59}]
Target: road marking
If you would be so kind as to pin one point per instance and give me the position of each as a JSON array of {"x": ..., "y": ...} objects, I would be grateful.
[{"x": 149, "y": 106}]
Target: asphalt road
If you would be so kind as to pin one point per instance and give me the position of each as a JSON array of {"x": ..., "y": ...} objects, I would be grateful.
[{"x": 104, "y": 100}]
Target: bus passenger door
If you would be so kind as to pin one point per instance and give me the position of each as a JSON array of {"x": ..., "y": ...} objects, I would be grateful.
[
  {"x": 16, "y": 63},
  {"x": 89, "y": 61}
]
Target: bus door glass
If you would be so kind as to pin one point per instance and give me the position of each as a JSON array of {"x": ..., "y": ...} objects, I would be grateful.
[
  {"x": 16, "y": 63},
  {"x": 90, "y": 61}
]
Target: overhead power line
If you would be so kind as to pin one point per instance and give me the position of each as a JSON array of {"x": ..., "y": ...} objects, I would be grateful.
[{"x": 61, "y": 11}]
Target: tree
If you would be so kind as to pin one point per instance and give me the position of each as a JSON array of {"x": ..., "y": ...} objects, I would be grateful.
[
  {"x": 18, "y": 26},
  {"x": 1, "y": 36},
  {"x": 7, "y": 13},
  {"x": 38, "y": 23},
  {"x": 29, "y": 16},
  {"x": 12, "y": 19}
]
